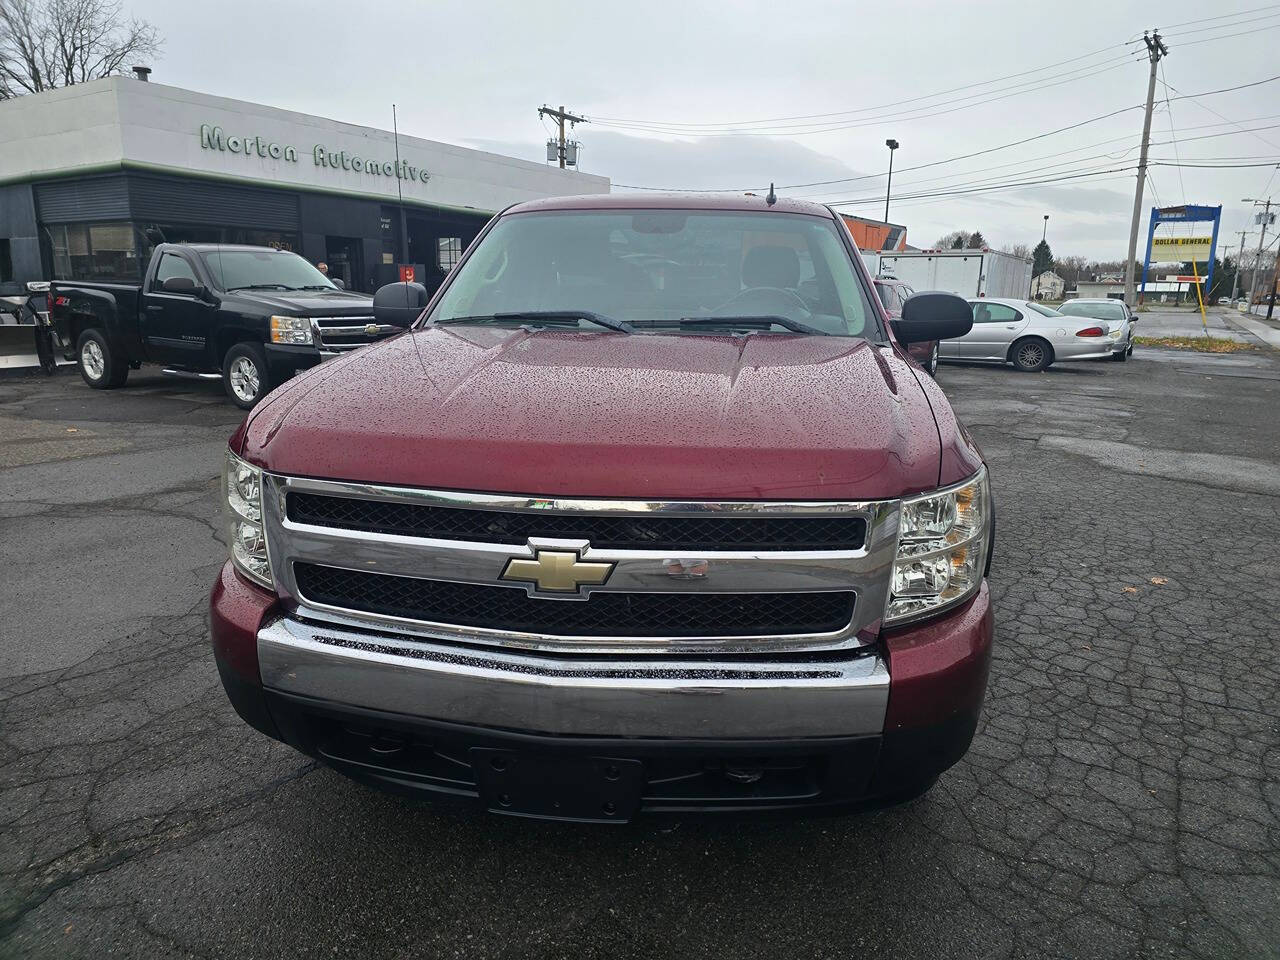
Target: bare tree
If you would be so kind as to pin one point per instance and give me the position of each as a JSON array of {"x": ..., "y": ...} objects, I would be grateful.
[
  {"x": 955, "y": 240},
  {"x": 56, "y": 43},
  {"x": 1017, "y": 250}
]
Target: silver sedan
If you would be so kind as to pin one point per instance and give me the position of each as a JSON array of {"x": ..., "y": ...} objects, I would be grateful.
[
  {"x": 1029, "y": 335},
  {"x": 1117, "y": 316}
]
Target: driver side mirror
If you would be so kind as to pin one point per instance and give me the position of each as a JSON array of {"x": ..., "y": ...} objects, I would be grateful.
[
  {"x": 183, "y": 285},
  {"x": 399, "y": 304},
  {"x": 933, "y": 315},
  {"x": 338, "y": 282}
]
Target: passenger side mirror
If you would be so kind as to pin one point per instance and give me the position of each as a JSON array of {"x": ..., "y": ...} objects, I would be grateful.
[
  {"x": 399, "y": 304},
  {"x": 933, "y": 315}
]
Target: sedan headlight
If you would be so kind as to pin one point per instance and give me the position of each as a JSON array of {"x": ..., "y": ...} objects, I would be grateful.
[
  {"x": 942, "y": 550},
  {"x": 242, "y": 488},
  {"x": 295, "y": 330}
]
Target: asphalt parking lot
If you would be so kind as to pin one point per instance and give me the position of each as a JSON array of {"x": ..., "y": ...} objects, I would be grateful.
[{"x": 1121, "y": 799}]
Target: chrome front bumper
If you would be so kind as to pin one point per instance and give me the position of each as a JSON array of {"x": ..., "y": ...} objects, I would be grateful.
[{"x": 639, "y": 697}]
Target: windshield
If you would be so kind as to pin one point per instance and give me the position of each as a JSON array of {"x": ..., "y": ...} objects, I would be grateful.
[
  {"x": 262, "y": 269},
  {"x": 1099, "y": 311},
  {"x": 1043, "y": 310},
  {"x": 676, "y": 270}
]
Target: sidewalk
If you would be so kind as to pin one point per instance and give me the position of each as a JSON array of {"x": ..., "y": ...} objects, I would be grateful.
[{"x": 1257, "y": 324}]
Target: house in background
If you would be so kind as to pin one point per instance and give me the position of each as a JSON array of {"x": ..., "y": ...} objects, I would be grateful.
[{"x": 1048, "y": 286}]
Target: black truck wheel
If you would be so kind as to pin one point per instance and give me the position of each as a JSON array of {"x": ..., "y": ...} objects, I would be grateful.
[
  {"x": 99, "y": 365},
  {"x": 245, "y": 375}
]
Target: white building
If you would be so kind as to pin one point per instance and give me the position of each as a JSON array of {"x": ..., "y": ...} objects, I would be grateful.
[
  {"x": 91, "y": 175},
  {"x": 1048, "y": 286}
]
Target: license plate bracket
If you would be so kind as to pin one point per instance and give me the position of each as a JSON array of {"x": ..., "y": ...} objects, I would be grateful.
[{"x": 586, "y": 789}]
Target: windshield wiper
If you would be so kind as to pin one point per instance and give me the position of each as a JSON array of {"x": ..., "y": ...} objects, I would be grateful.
[
  {"x": 547, "y": 316},
  {"x": 262, "y": 286},
  {"x": 754, "y": 322},
  {"x": 316, "y": 286}
]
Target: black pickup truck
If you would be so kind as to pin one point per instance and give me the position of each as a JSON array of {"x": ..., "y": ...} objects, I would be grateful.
[{"x": 250, "y": 316}]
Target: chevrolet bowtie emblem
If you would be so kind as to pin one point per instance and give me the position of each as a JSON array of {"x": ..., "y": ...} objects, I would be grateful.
[
  {"x": 371, "y": 328},
  {"x": 556, "y": 571}
]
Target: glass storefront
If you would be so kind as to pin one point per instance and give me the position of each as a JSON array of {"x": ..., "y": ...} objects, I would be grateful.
[
  {"x": 97, "y": 251},
  {"x": 119, "y": 252}
]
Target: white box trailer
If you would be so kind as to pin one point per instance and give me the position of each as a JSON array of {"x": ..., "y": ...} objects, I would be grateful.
[{"x": 969, "y": 273}]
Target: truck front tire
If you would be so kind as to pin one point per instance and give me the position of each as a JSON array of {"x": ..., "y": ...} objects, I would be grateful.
[
  {"x": 245, "y": 375},
  {"x": 100, "y": 366}
]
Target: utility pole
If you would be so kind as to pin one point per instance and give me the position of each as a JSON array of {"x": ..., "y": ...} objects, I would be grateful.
[
  {"x": 1264, "y": 218},
  {"x": 1155, "y": 51},
  {"x": 1235, "y": 282},
  {"x": 561, "y": 117}
]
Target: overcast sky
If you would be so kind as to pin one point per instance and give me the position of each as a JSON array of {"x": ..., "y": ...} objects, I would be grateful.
[{"x": 475, "y": 72}]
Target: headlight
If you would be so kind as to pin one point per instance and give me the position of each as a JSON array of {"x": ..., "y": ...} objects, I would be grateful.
[
  {"x": 242, "y": 488},
  {"x": 942, "y": 550},
  {"x": 296, "y": 330}
]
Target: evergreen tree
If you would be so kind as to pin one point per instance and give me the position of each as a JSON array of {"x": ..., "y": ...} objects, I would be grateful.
[
  {"x": 1041, "y": 258},
  {"x": 976, "y": 240}
]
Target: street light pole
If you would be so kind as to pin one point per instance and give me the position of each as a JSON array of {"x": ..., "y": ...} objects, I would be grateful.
[
  {"x": 1045, "y": 233},
  {"x": 892, "y": 145}
]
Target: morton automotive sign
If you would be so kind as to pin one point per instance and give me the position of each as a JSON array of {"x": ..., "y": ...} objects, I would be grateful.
[{"x": 215, "y": 138}]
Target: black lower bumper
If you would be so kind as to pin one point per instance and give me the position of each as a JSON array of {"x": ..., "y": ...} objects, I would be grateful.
[
  {"x": 284, "y": 360},
  {"x": 611, "y": 779}
]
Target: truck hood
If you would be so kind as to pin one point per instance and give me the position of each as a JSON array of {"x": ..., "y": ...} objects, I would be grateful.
[
  {"x": 310, "y": 303},
  {"x": 608, "y": 415}
]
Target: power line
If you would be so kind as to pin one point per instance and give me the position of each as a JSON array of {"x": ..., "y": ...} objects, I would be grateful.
[
  {"x": 797, "y": 131},
  {"x": 986, "y": 188},
  {"x": 987, "y": 184},
  {"x": 1220, "y": 26},
  {"x": 1224, "y": 16},
  {"x": 1110, "y": 156},
  {"x": 883, "y": 106},
  {"x": 1169, "y": 107},
  {"x": 785, "y": 124},
  {"x": 1215, "y": 166},
  {"x": 919, "y": 166},
  {"x": 976, "y": 153},
  {"x": 1228, "y": 36}
]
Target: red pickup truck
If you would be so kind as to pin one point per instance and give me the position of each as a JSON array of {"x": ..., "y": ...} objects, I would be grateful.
[{"x": 648, "y": 512}]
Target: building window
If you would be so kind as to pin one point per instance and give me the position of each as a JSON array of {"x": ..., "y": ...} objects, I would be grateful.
[
  {"x": 450, "y": 252},
  {"x": 93, "y": 251},
  {"x": 6, "y": 261}
]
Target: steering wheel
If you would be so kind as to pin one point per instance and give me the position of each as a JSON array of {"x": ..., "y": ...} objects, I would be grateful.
[{"x": 764, "y": 301}]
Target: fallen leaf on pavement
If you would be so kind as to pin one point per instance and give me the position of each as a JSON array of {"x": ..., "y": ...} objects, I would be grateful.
[{"x": 1160, "y": 581}]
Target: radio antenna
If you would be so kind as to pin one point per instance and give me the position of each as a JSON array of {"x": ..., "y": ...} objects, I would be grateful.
[{"x": 404, "y": 227}]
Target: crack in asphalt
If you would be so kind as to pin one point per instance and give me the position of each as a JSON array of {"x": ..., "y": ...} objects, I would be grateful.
[{"x": 1121, "y": 797}]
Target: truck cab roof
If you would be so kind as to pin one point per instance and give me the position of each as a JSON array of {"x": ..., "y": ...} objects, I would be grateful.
[{"x": 732, "y": 202}]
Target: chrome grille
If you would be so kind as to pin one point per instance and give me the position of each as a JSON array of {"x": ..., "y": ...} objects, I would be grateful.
[
  {"x": 729, "y": 577},
  {"x": 640, "y": 531},
  {"x": 346, "y": 333},
  {"x": 603, "y": 615}
]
